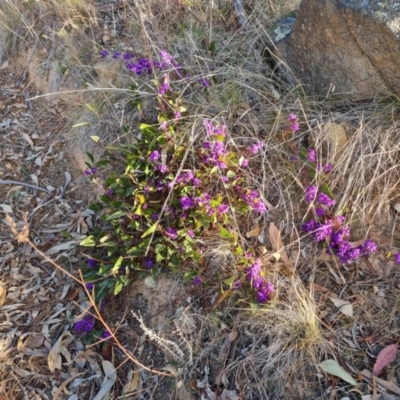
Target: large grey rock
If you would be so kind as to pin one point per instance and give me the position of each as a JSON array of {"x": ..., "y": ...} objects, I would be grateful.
[{"x": 351, "y": 46}]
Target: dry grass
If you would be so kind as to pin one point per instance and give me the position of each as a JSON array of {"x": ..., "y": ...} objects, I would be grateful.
[{"x": 284, "y": 342}]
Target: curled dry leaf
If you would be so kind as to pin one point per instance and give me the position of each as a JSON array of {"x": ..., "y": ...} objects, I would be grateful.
[
  {"x": 277, "y": 244},
  {"x": 254, "y": 232},
  {"x": 386, "y": 356}
]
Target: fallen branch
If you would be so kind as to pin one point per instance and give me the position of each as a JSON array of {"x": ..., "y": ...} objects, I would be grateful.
[{"x": 23, "y": 184}]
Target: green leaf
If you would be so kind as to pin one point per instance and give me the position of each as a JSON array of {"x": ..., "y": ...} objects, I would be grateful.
[
  {"x": 145, "y": 128},
  {"x": 115, "y": 215},
  {"x": 326, "y": 190},
  {"x": 150, "y": 282},
  {"x": 229, "y": 281},
  {"x": 213, "y": 47},
  {"x": 150, "y": 230},
  {"x": 333, "y": 368},
  {"x": 90, "y": 241},
  {"x": 91, "y": 158},
  {"x": 118, "y": 287},
  {"x": 117, "y": 264}
]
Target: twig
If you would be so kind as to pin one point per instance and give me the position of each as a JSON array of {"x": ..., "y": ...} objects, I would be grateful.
[
  {"x": 10, "y": 182},
  {"x": 240, "y": 13},
  {"x": 385, "y": 384}
]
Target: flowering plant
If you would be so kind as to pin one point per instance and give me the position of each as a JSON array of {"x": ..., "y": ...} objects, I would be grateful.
[
  {"x": 329, "y": 227},
  {"x": 159, "y": 203}
]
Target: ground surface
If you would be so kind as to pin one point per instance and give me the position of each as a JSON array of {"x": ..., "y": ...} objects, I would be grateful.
[{"x": 42, "y": 357}]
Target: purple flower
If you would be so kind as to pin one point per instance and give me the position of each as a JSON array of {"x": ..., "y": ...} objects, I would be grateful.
[
  {"x": 259, "y": 206},
  {"x": 265, "y": 292},
  {"x": 196, "y": 182},
  {"x": 186, "y": 202},
  {"x": 128, "y": 55},
  {"x": 224, "y": 179},
  {"x": 255, "y": 148},
  {"x": 311, "y": 155},
  {"x": 245, "y": 163},
  {"x": 340, "y": 235},
  {"x": 262, "y": 297},
  {"x": 326, "y": 200},
  {"x": 197, "y": 281},
  {"x": 162, "y": 168},
  {"x": 295, "y": 127},
  {"x": 205, "y": 82},
  {"x": 85, "y": 325},
  {"x": 311, "y": 192},
  {"x": 154, "y": 216},
  {"x": 88, "y": 172},
  {"x": 292, "y": 118},
  {"x": 221, "y": 164},
  {"x": 320, "y": 212},
  {"x": 89, "y": 286},
  {"x": 369, "y": 246},
  {"x": 104, "y": 53},
  {"x": 397, "y": 258},
  {"x": 166, "y": 57},
  {"x": 253, "y": 272},
  {"x": 106, "y": 335},
  {"x": 154, "y": 156},
  {"x": 165, "y": 86},
  {"x": 323, "y": 231},
  {"x": 309, "y": 226},
  {"x": 93, "y": 170},
  {"x": 164, "y": 126},
  {"x": 223, "y": 208},
  {"x": 149, "y": 263},
  {"x": 190, "y": 233},
  {"x": 340, "y": 219},
  {"x": 91, "y": 263},
  {"x": 177, "y": 114},
  {"x": 109, "y": 192},
  {"x": 172, "y": 233},
  {"x": 353, "y": 254},
  {"x": 328, "y": 168}
]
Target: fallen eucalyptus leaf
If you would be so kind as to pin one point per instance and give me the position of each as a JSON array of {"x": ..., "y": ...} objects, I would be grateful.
[{"x": 333, "y": 368}]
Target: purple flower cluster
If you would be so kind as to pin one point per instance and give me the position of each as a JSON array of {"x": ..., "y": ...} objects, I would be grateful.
[
  {"x": 215, "y": 154},
  {"x": 322, "y": 198},
  {"x": 164, "y": 88},
  {"x": 149, "y": 263},
  {"x": 212, "y": 130},
  {"x": 255, "y": 148},
  {"x": 189, "y": 178},
  {"x": 91, "y": 263},
  {"x": 91, "y": 171},
  {"x": 197, "y": 281},
  {"x": 85, "y": 325},
  {"x": 311, "y": 156},
  {"x": 294, "y": 122},
  {"x": 252, "y": 199},
  {"x": 263, "y": 287},
  {"x": 154, "y": 156},
  {"x": 397, "y": 258},
  {"x": 186, "y": 202},
  {"x": 336, "y": 238},
  {"x": 171, "y": 233}
]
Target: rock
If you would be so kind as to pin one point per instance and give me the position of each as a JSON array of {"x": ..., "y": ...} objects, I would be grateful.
[{"x": 349, "y": 47}]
